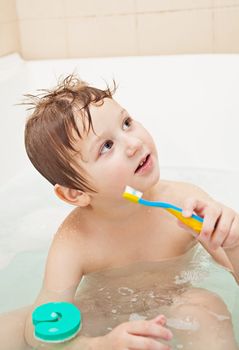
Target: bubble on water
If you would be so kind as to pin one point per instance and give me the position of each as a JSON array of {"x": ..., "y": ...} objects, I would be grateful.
[
  {"x": 114, "y": 311},
  {"x": 219, "y": 317},
  {"x": 183, "y": 325},
  {"x": 151, "y": 295},
  {"x": 136, "y": 317},
  {"x": 134, "y": 300},
  {"x": 189, "y": 276},
  {"x": 125, "y": 291}
]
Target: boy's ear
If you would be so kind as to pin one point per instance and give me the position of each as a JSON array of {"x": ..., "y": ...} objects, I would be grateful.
[{"x": 72, "y": 196}]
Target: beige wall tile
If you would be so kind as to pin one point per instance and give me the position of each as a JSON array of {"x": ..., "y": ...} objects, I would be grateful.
[
  {"x": 76, "y": 8},
  {"x": 102, "y": 36},
  {"x": 225, "y": 3},
  {"x": 175, "y": 32},
  {"x": 162, "y": 5},
  {"x": 226, "y": 27},
  {"x": 8, "y": 38},
  {"x": 208, "y": 26},
  {"x": 32, "y": 9},
  {"x": 7, "y": 11},
  {"x": 43, "y": 38}
]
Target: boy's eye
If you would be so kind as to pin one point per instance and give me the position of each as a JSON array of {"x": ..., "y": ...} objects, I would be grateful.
[
  {"x": 127, "y": 123},
  {"x": 106, "y": 146}
]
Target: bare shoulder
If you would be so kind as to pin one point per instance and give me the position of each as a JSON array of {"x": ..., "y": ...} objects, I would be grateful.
[
  {"x": 178, "y": 190},
  {"x": 65, "y": 261}
]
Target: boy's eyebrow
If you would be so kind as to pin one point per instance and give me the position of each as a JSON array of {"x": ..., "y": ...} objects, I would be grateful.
[{"x": 97, "y": 139}]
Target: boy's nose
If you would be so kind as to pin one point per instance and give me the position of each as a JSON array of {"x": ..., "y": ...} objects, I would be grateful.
[{"x": 133, "y": 147}]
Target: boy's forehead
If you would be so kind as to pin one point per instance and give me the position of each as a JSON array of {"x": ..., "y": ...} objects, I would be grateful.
[
  {"x": 109, "y": 108},
  {"x": 101, "y": 116}
]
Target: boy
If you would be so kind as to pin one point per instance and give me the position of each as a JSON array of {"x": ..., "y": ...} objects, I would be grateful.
[{"x": 82, "y": 141}]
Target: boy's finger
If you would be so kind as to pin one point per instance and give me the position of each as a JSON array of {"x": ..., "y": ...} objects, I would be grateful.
[
  {"x": 222, "y": 230},
  {"x": 209, "y": 224},
  {"x": 161, "y": 319},
  {"x": 191, "y": 204},
  {"x": 149, "y": 329},
  {"x": 144, "y": 343},
  {"x": 232, "y": 239}
]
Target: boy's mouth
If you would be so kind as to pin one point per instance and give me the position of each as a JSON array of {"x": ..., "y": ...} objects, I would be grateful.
[{"x": 142, "y": 164}]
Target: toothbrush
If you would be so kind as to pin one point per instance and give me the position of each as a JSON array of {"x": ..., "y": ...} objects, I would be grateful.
[{"x": 195, "y": 221}]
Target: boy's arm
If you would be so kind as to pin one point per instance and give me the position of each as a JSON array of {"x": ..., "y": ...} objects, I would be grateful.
[
  {"x": 63, "y": 273},
  {"x": 79, "y": 342},
  {"x": 233, "y": 254},
  {"x": 227, "y": 257}
]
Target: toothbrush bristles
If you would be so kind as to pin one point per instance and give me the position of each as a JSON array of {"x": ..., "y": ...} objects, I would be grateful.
[{"x": 132, "y": 191}]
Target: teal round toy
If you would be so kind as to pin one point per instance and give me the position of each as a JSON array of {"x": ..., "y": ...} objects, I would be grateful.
[{"x": 56, "y": 322}]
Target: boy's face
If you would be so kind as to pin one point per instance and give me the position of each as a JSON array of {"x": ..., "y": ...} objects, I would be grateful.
[{"x": 112, "y": 156}]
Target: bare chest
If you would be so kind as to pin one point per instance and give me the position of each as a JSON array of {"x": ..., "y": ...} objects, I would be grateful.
[{"x": 155, "y": 238}]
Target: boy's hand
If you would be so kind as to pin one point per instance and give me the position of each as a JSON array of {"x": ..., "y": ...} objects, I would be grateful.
[
  {"x": 221, "y": 224},
  {"x": 137, "y": 335}
]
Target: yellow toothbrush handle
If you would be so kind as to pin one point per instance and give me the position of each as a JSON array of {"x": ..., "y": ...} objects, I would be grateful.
[{"x": 191, "y": 222}]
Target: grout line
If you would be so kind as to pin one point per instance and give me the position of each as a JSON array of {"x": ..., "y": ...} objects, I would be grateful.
[
  {"x": 134, "y": 13},
  {"x": 158, "y": 11}
]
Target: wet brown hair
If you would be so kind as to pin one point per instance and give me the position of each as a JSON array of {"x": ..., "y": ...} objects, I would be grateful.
[{"x": 50, "y": 130}]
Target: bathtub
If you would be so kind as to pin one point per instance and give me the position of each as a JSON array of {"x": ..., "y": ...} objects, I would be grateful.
[{"x": 190, "y": 105}]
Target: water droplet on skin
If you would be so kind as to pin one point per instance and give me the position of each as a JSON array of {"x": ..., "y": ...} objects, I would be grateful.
[
  {"x": 151, "y": 295},
  {"x": 125, "y": 291}
]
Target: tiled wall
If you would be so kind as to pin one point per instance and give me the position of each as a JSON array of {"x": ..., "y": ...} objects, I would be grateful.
[
  {"x": 86, "y": 28},
  {"x": 8, "y": 27}
]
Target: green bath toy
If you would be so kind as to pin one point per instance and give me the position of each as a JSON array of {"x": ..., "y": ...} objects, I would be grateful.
[{"x": 56, "y": 322}]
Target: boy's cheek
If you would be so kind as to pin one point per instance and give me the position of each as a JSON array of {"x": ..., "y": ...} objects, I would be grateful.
[{"x": 114, "y": 180}]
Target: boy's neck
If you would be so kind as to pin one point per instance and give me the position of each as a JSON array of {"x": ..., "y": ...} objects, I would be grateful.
[{"x": 123, "y": 213}]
